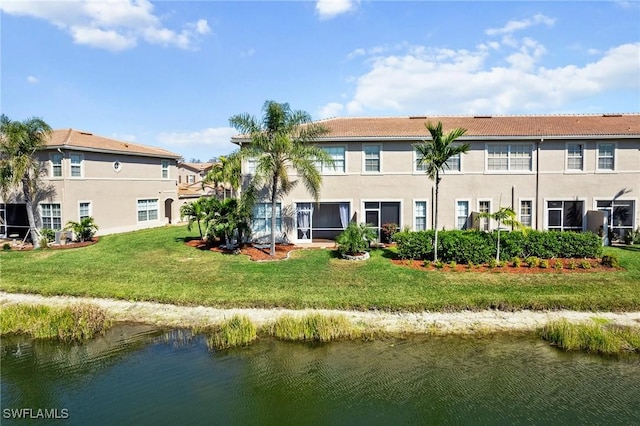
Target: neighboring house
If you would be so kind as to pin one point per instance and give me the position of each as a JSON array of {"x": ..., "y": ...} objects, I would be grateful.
[
  {"x": 124, "y": 186},
  {"x": 558, "y": 172},
  {"x": 190, "y": 186}
]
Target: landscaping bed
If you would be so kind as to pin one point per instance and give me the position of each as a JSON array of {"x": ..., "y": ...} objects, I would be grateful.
[
  {"x": 568, "y": 266},
  {"x": 255, "y": 253}
]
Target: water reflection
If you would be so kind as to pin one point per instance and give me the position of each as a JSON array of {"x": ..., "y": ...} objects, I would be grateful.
[{"x": 138, "y": 375}]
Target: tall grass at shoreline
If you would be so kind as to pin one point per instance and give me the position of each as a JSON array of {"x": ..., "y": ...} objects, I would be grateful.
[
  {"x": 237, "y": 331},
  {"x": 75, "y": 323},
  {"x": 313, "y": 327},
  {"x": 598, "y": 337}
]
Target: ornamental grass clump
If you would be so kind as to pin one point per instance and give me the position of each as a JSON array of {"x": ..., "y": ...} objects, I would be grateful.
[
  {"x": 313, "y": 327},
  {"x": 237, "y": 331}
]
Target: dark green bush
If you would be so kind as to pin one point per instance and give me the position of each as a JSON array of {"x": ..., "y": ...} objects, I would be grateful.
[
  {"x": 414, "y": 245},
  {"x": 465, "y": 246},
  {"x": 611, "y": 261}
]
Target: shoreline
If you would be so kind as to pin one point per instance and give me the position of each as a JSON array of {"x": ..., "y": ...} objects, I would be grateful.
[{"x": 463, "y": 322}]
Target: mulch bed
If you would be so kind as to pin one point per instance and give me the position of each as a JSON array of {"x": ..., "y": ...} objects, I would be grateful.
[
  {"x": 509, "y": 269},
  {"x": 255, "y": 253},
  {"x": 66, "y": 246}
]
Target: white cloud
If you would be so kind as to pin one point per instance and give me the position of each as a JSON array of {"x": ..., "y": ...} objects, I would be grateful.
[
  {"x": 332, "y": 109},
  {"x": 216, "y": 139},
  {"x": 113, "y": 25},
  {"x": 124, "y": 137},
  {"x": 513, "y": 26},
  {"x": 33, "y": 80},
  {"x": 328, "y": 9}
]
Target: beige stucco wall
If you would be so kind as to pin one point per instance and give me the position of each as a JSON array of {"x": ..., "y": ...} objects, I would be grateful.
[{"x": 398, "y": 181}]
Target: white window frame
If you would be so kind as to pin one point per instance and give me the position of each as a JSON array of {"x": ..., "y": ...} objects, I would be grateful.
[
  {"x": 364, "y": 158},
  {"x": 76, "y": 166},
  {"x": 531, "y": 214},
  {"x": 426, "y": 214},
  {"x": 455, "y": 212},
  {"x": 564, "y": 200},
  {"x": 266, "y": 218},
  {"x": 80, "y": 216},
  {"x": 55, "y": 155},
  {"x": 480, "y": 220},
  {"x": 147, "y": 210},
  {"x": 251, "y": 164},
  {"x": 164, "y": 169},
  {"x": 568, "y": 157},
  {"x": 510, "y": 158},
  {"x": 191, "y": 178},
  {"x": 50, "y": 217},
  {"x": 613, "y": 157},
  {"x": 326, "y": 169}
]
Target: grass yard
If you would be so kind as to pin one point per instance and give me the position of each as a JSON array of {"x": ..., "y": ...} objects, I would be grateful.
[{"x": 156, "y": 265}]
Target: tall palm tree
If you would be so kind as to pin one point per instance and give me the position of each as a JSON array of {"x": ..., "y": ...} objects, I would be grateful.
[
  {"x": 225, "y": 171},
  {"x": 434, "y": 154},
  {"x": 282, "y": 140},
  {"x": 19, "y": 141}
]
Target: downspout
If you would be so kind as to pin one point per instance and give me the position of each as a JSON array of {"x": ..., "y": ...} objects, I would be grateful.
[
  {"x": 513, "y": 202},
  {"x": 64, "y": 187},
  {"x": 432, "y": 207},
  {"x": 538, "y": 181}
]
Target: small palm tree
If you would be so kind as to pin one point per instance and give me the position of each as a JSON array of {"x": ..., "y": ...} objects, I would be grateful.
[
  {"x": 355, "y": 239},
  {"x": 434, "y": 154},
  {"x": 83, "y": 230},
  {"x": 19, "y": 141},
  {"x": 280, "y": 141},
  {"x": 504, "y": 215},
  {"x": 195, "y": 211}
]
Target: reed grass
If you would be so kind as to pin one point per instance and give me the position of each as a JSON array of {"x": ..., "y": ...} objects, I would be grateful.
[
  {"x": 237, "y": 331},
  {"x": 314, "y": 327},
  {"x": 598, "y": 337},
  {"x": 75, "y": 323}
]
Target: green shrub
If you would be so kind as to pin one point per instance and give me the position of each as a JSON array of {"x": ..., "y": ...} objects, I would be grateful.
[
  {"x": 453, "y": 264},
  {"x": 439, "y": 264},
  {"x": 465, "y": 246},
  {"x": 49, "y": 234},
  {"x": 414, "y": 245},
  {"x": 544, "y": 263},
  {"x": 611, "y": 261},
  {"x": 83, "y": 230},
  {"x": 516, "y": 262},
  {"x": 387, "y": 230},
  {"x": 558, "y": 264},
  {"x": 355, "y": 238},
  {"x": 572, "y": 264},
  {"x": 6, "y": 247},
  {"x": 585, "y": 264},
  {"x": 492, "y": 263},
  {"x": 532, "y": 261}
]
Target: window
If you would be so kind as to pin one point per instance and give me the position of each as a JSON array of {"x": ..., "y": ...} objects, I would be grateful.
[
  {"x": 574, "y": 156},
  {"x": 462, "y": 214},
  {"x": 526, "y": 212},
  {"x": 191, "y": 179},
  {"x": 506, "y": 157},
  {"x": 117, "y": 166},
  {"x": 420, "y": 216},
  {"x": 165, "y": 169},
  {"x": 85, "y": 210},
  {"x": 620, "y": 214},
  {"x": 452, "y": 164},
  {"x": 76, "y": 165},
  {"x": 56, "y": 165},
  {"x": 51, "y": 216},
  {"x": 377, "y": 214},
  {"x": 261, "y": 223},
  {"x": 484, "y": 207},
  {"x": 147, "y": 210},
  {"x": 337, "y": 153},
  {"x": 372, "y": 158},
  {"x": 606, "y": 156},
  {"x": 564, "y": 215},
  {"x": 419, "y": 167},
  {"x": 251, "y": 166}
]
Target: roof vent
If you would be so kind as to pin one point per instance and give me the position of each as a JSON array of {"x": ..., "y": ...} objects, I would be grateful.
[
  {"x": 482, "y": 116},
  {"x": 418, "y": 117},
  {"x": 612, "y": 115},
  {"x": 86, "y": 133}
]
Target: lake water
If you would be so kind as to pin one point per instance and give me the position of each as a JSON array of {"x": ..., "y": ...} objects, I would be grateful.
[{"x": 138, "y": 375}]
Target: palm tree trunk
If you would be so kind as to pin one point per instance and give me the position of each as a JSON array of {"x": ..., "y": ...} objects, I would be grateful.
[
  {"x": 435, "y": 244},
  {"x": 26, "y": 191},
  {"x": 274, "y": 192}
]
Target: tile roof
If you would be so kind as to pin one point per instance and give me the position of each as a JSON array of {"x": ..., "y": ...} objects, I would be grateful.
[
  {"x": 487, "y": 126},
  {"x": 198, "y": 167},
  {"x": 71, "y": 138}
]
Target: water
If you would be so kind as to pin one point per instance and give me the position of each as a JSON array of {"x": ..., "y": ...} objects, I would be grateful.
[{"x": 140, "y": 375}]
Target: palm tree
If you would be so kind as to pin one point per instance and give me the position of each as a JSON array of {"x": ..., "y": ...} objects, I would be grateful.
[
  {"x": 504, "y": 215},
  {"x": 195, "y": 211},
  {"x": 282, "y": 140},
  {"x": 19, "y": 141},
  {"x": 225, "y": 171},
  {"x": 83, "y": 230},
  {"x": 434, "y": 154}
]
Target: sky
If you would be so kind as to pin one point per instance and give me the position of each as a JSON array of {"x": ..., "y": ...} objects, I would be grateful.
[{"x": 171, "y": 73}]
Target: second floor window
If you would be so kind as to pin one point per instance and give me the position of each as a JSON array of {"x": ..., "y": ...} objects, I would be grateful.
[
  {"x": 76, "y": 165},
  {"x": 56, "y": 165},
  {"x": 574, "y": 156},
  {"x": 337, "y": 153},
  {"x": 372, "y": 158},
  {"x": 507, "y": 157},
  {"x": 165, "y": 169},
  {"x": 606, "y": 156}
]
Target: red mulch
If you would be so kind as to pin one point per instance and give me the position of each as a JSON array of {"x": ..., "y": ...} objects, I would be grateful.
[
  {"x": 70, "y": 245},
  {"x": 523, "y": 269},
  {"x": 255, "y": 253}
]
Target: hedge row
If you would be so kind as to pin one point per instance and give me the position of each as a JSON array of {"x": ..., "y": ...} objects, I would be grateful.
[{"x": 480, "y": 247}]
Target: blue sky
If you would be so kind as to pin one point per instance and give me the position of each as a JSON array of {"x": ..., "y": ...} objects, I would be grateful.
[{"x": 170, "y": 74}]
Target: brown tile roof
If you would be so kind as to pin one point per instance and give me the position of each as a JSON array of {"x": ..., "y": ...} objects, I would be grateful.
[
  {"x": 487, "y": 126},
  {"x": 71, "y": 138},
  {"x": 198, "y": 167}
]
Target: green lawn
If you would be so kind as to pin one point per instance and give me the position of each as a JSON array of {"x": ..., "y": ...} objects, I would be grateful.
[{"x": 156, "y": 265}]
